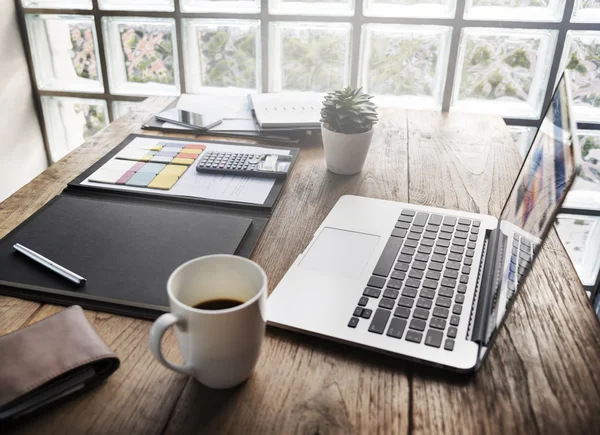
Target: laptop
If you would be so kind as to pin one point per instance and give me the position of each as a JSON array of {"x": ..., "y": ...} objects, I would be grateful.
[{"x": 425, "y": 283}]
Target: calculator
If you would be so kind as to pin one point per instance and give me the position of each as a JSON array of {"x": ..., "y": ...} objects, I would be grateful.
[{"x": 249, "y": 165}]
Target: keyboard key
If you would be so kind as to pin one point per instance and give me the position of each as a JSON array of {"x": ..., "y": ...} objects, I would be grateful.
[
  {"x": 416, "y": 230},
  {"x": 429, "y": 283},
  {"x": 434, "y": 338},
  {"x": 448, "y": 282},
  {"x": 466, "y": 269},
  {"x": 452, "y": 332},
  {"x": 388, "y": 256},
  {"x": 459, "y": 242},
  {"x": 409, "y": 291},
  {"x": 432, "y": 274},
  {"x": 407, "y": 213},
  {"x": 454, "y": 320},
  {"x": 454, "y": 265},
  {"x": 470, "y": 253},
  {"x": 457, "y": 309},
  {"x": 366, "y": 314},
  {"x": 353, "y": 322},
  {"x": 411, "y": 243},
  {"x": 379, "y": 321},
  {"x": 455, "y": 257},
  {"x": 421, "y": 219},
  {"x": 468, "y": 261},
  {"x": 414, "y": 237},
  {"x": 372, "y": 292},
  {"x": 426, "y": 242},
  {"x": 424, "y": 258},
  {"x": 461, "y": 227},
  {"x": 449, "y": 273},
  {"x": 402, "y": 225},
  {"x": 376, "y": 281},
  {"x": 420, "y": 313},
  {"x": 402, "y": 312},
  {"x": 438, "y": 258},
  {"x": 457, "y": 249},
  {"x": 396, "y": 328},
  {"x": 462, "y": 288},
  {"x": 405, "y": 258},
  {"x": 424, "y": 249},
  {"x": 424, "y": 303},
  {"x": 445, "y": 236},
  {"x": 414, "y": 336},
  {"x": 398, "y": 275},
  {"x": 357, "y": 311},
  {"x": 417, "y": 274},
  {"x": 443, "y": 301},
  {"x": 440, "y": 312},
  {"x": 435, "y": 266},
  {"x": 464, "y": 221},
  {"x": 447, "y": 229},
  {"x": 461, "y": 235},
  {"x": 440, "y": 251},
  {"x": 449, "y": 220},
  {"x": 411, "y": 282},
  {"x": 408, "y": 251},
  {"x": 473, "y": 238},
  {"x": 391, "y": 294},
  {"x": 525, "y": 242},
  {"x": 437, "y": 323},
  {"x": 449, "y": 344},
  {"x": 386, "y": 303},
  {"x": 474, "y": 230},
  {"x": 402, "y": 267},
  {"x": 476, "y": 223},
  {"x": 432, "y": 228},
  {"x": 427, "y": 293},
  {"x": 398, "y": 232},
  {"x": 394, "y": 283},
  {"x": 471, "y": 245},
  {"x": 406, "y": 302},
  {"x": 464, "y": 279},
  {"x": 442, "y": 243},
  {"x": 419, "y": 265},
  {"x": 429, "y": 235},
  {"x": 363, "y": 301},
  {"x": 418, "y": 324},
  {"x": 459, "y": 298},
  {"x": 405, "y": 219},
  {"x": 445, "y": 291},
  {"x": 435, "y": 219}
]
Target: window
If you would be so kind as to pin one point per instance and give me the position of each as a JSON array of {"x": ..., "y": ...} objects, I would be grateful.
[{"x": 93, "y": 60}]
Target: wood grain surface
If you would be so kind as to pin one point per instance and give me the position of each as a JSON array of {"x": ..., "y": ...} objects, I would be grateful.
[{"x": 541, "y": 376}]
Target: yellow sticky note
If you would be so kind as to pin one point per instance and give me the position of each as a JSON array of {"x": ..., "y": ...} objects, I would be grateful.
[
  {"x": 190, "y": 151},
  {"x": 146, "y": 158},
  {"x": 174, "y": 170},
  {"x": 156, "y": 148},
  {"x": 163, "y": 181},
  {"x": 182, "y": 161}
]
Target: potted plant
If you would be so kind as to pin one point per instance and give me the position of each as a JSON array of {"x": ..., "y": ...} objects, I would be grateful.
[{"x": 347, "y": 120}]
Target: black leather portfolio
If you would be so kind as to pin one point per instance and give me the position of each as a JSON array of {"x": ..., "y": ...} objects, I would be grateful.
[{"x": 124, "y": 244}]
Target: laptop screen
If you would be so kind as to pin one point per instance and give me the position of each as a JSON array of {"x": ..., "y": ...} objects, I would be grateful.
[{"x": 539, "y": 190}]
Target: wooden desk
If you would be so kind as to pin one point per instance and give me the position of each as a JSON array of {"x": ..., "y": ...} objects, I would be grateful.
[{"x": 542, "y": 376}]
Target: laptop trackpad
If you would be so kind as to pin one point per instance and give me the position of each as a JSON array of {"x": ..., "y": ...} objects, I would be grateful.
[{"x": 340, "y": 252}]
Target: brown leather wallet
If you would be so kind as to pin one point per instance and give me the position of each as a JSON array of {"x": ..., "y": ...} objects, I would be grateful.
[{"x": 50, "y": 360}]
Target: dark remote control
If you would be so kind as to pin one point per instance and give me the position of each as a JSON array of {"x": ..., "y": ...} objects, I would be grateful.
[{"x": 248, "y": 165}]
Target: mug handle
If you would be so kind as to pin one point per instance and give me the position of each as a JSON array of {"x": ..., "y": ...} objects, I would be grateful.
[{"x": 159, "y": 327}]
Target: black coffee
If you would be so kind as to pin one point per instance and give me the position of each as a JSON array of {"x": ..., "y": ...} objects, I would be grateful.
[{"x": 218, "y": 304}]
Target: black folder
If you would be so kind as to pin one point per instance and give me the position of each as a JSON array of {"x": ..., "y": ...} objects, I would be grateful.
[{"x": 125, "y": 244}]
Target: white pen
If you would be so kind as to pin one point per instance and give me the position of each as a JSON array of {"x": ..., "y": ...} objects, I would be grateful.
[{"x": 51, "y": 265}]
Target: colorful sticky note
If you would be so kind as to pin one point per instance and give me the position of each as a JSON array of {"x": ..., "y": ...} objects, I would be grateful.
[
  {"x": 186, "y": 156},
  {"x": 161, "y": 159},
  {"x": 174, "y": 170},
  {"x": 153, "y": 168},
  {"x": 119, "y": 165},
  {"x": 180, "y": 161},
  {"x": 191, "y": 151},
  {"x": 137, "y": 166},
  {"x": 194, "y": 146},
  {"x": 105, "y": 176},
  {"x": 174, "y": 144},
  {"x": 140, "y": 179},
  {"x": 171, "y": 149},
  {"x": 163, "y": 181},
  {"x": 156, "y": 148},
  {"x": 125, "y": 177},
  {"x": 131, "y": 154},
  {"x": 167, "y": 154},
  {"x": 146, "y": 158}
]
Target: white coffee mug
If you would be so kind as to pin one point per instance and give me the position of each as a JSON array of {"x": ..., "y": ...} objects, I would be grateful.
[{"x": 220, "y": 347}]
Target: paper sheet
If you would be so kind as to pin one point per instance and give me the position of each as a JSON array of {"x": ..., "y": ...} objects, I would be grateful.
[
  {"x": 223, "y": 106},
  {"x": 251, "y": 190}
]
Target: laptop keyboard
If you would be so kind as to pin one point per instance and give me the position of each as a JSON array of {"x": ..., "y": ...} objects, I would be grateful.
[{"x": 416, "y": 291}]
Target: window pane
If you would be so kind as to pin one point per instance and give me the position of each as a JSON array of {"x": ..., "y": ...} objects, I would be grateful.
[
  {"x": 69, "y": 121},
  {"x": 581, "y": 55},
  {"x": 523, "y": 136},
  {"x": 504, "y": 72},
  {"x": 141, "y": 56},
  {"x": 121, "y": 108},
  {"x": 64, "y": 52},
  {"x": 586, "y": 11},
  {"x": 410, "y": 8},
  {"x": 222, "y": 54},
  {"x": 58, "y": 4},
  {"x": 136, "y": 5},
  {"x": 309, "y": 56},
  {"x": 405, "y": 65},
  {"x": 231, "y": 6},
  {"x": 312, "y": 7},
  {"x": 515, "y": 10}
]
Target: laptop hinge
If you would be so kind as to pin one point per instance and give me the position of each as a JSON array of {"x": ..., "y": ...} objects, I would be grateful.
[{"x": 486, "y": 292}]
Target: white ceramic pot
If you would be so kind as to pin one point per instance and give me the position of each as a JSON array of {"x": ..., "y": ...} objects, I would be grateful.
[{"x": 345, "y": 154}]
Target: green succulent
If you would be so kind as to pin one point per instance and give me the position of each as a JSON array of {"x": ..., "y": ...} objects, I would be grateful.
[{"x": 348, "y": 111}]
